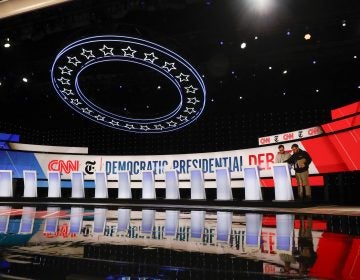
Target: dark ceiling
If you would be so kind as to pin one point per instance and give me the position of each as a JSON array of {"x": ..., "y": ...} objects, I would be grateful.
[{"x": 320, "y": 73}]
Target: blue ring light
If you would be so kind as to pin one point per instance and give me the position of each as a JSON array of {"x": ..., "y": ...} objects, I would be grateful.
[{"x": 85, "y": 53}]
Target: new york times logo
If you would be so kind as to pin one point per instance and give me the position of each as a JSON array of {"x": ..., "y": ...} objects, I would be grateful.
[{"x": 90, "y": 167}]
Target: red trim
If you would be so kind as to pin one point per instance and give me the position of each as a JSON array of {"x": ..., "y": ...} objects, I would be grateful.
[
  {"x": 341, "y": 124},
  {"x": 313, "y": 181},
  {"x": 345, "y": 110}
]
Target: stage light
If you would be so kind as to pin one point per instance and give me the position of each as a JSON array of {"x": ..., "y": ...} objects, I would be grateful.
[
  {"x": 343, "y": 23},
  {"x": 355, "y": 56},
  {"x": 307, "y": 36},
  {"x": 288, "y": 33},
  {"x": 261, "y": 6},
  {"x": 25, "y": 80},
  {"x": 221, "y": 43},
  {"x": 314, "y": 62},
  {"x": 7, "y": 43},
  {"x": 285, "y": 72},
  {"x": 256, "y": 37},
  {"x": 270, "y": 68},
  {"x": 212, "y": 100},
  {"x": 158, "y": 87},
  {"x": 284, "y": 93},
  {"x": 243, "y": 45},
  {"x": 317, "y": 90},
  {"x": 0, "y": 83}
]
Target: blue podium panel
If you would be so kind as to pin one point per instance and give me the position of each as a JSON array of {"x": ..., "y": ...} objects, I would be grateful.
[
  {"x": 52, "y": 219},
  {"x": 197, "y": 224},
  {"x": 282, "y": 182},
  {"x": 148, "y": 221},
  {"x": 223, "y": 184},
  {"x": 6, "y": 184},
  {"x": 223, "y": 226},
  {"x": 27, "y": 220},
  {"x": 124, "y": 187},
  {"x": 252, "y": 182},
  {"x": 253, "y": 230},
  {"x": 54, "y": 182},
  {"x": 76, "y": 218},
  {"x": 123, "y": 220},
  {"x": 172, "y": 184},
  {"x": 148, "y": 185},
  {"x": 101, "y": 190},
  {"x": 171, "y": 223},
  {"x": 77, "y": 184},
  {"x": 30, "y": 183},
  {"x": 284, "y": 231},
  {"x": 99, "y": 220},
  {"x": 197, "y": 184},
  {"x": 4, "y": 218}
]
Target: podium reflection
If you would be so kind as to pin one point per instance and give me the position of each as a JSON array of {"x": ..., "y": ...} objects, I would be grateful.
[
  {"x": 197, "y": 224},
  {"x": 4, "y": 218},
  {"x": 171, "y": 223},
  {"x": 253, "y": 230},
  {"x": 223, "y": 226}
]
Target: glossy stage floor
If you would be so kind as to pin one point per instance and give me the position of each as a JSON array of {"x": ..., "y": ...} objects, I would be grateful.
[{"x": 62, "y": 238}]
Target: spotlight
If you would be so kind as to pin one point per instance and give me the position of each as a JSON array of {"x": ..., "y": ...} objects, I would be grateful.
[
  {"x": 159, "y": 87},
  {"x": 256, "y": 37},
  {"x": 284, "y": 93},
  {"x": 355, "y": 56},
  {"x": 317, "y": 90},
  {"x": 288, "y": 33},
  {"x": 314, "y": 62},
  {"x": 243, "y": 45},
  {"x": 307, "y": 36},
  {"x": 7, "y": 43},
  {"x": 25, "y": 80},
  {"x": 240, "y": 97},
  {"x": 285, "y": 72},
  {"x": 270, "y": 68},
  {"x": 343, "y": 23}
]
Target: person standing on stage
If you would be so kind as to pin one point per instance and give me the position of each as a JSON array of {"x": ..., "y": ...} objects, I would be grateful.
[
  {"x": 281, "y": 156},
  {"x": 301, "y": 160}
]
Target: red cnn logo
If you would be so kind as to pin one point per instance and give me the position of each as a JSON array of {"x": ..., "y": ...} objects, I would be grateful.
[{"x": 64, "y": 166}]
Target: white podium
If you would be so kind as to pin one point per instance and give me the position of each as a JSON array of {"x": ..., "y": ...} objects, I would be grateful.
[
  {"x": 124, "y": 185},
  {"x": 252, "y": 182},
  {"x": 54, "y": 184},
  {"x": 197, "y": 184},
  {"x": 77, "y": 184},
  {"x": 148, "y": 185},
  {"x": 223, "y": 184},
  {"x": 6, "y": 185},
  {"x": 282, "y": 182},
  {"x": 172, "y": 184},
  {"x": 30, "y": 183},
  {"x": 101, "y": 190}
]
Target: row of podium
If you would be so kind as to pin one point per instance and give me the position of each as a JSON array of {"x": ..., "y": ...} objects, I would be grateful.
[{"x": 281, "y": 175}]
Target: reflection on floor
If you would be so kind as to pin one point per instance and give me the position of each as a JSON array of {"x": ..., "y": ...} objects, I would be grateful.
[{"x": 98, "y": 243}]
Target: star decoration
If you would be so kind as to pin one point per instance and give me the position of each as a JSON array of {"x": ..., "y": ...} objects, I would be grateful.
[
  {"x": 65, "y": 70},
  {"x": 75, "y": 101},
  {"x": 150, "y": 57},
  {"x": 192, "y": 100},
  {"x": 73, "y": 60},
  {"x": 169, "y": 66},
  {"x": 182, "y": 118},
  {"x": 182, "y": 77},
  {"x": 106, "y": 50},
  {"x": 99, "y": 118},
  {"x": 113, "y": 123},
  {"x": 67, "y": 91},
  {"x": 189, "y": 110},
  {"x": 87, "y": 54},
  {"x": 129, "y": 126},
  {"x": 191, "y": 89},
  {"x": 172, "y": 123},
  {"x": 86, "y": 110},
  {"x": 144, "y": 127},
  {"x": 64, "y": 81},
  {"x": 129, "y": 52},
  {"x": 158, "y": 127}
]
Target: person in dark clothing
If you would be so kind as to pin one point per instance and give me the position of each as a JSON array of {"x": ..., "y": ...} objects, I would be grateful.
[{"x": 301, "y": 160}]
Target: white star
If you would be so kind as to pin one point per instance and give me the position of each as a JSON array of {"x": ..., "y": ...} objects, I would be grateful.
[
  {"x": 64, "y": 81},
  {"x": 172, "y": 123},
  {"x": 191, "y": 89},
  {"x": 73, "y": 60},
  {"x": 106, "y": 50},
  {"x": 113, "y": 123},
  {"x": 67, "y": 91},
  {"x": 192, "y": 100},
  {"x": 129, "y": 52},
  {"x": 87, "y": 53},
  {"x": 129, "y": 126},
  {"x": 169, "y": 68},
  {"x": 75, "y": 101},
  {"x": 182, "y": 118},
  {"x": 159, "y": 126},
  {"x": 152, "y": 55},
  {"x": 182, "y": 77},
  {"x": 144, "y": 127},
  {"x": 99, "y": 118},
  {"x": 189, "y": 110},
  {"x": 65, "y": 70},
  {"x": 86, "y": 110}
]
